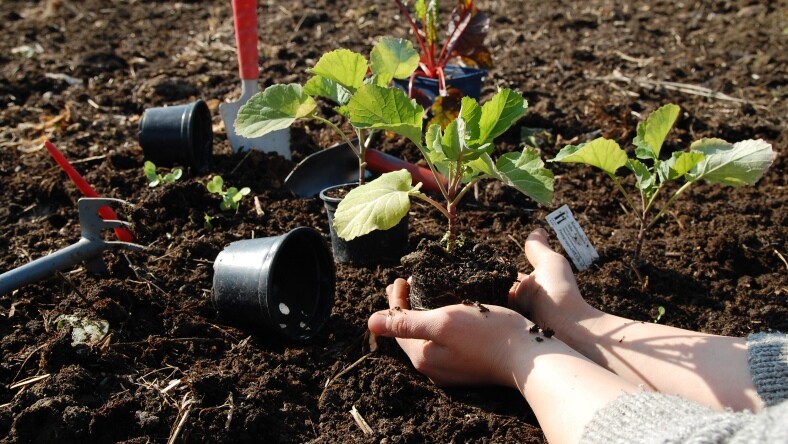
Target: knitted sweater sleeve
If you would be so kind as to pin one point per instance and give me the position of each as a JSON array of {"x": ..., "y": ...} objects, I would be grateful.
[{"x": 658, "y": 418}]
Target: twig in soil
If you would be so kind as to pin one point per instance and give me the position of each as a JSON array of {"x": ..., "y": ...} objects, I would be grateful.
[
  {"x": 781, "y": 258},
  {"x": 29, "y": 355},
  {"x": 362, "y": 424},
  {"x": 516, "y": 242},
  {"x": 28, "y": 381},
  {"x": 73, "y": 287},
  {"x": 257, "y": 207},
  {"x": 184, "y": 409},
  {"x": 342, "y": 372},
  {"x": 239, "y": 163},
  {"x": 685, "y": 88}
]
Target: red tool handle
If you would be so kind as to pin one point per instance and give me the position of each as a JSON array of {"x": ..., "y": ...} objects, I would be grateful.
[
  {"x": 381, "y": 162},
  {"x": 106, "y": 213},
  {"x": 245, "y": 18}
]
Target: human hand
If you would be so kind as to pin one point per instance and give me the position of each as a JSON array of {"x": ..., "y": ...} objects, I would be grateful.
[
  {"x": 549, "y": 295},
  {"x": 457, "y": 344}
]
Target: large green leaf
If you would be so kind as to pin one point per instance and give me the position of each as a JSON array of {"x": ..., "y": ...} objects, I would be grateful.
[
  {"x": 742, "y": 163},
  {"x": 526, "y": 172},
  {"x": 651, "y": 132},
  {"x": 452, "y": 141},
  {"x": 388, "y": 109},
  {"x": 273, "y": 109},
  {"x": 319, "y": 86},
  {"x": 499, "y": 113},
  {"x": 393, "y": 58},
  {"x": 376, "y": 205},
  {"x": 602, "y": 153},
  {"x": 343, "y": 66}
]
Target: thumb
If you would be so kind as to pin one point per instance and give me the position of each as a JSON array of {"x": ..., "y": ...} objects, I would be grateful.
[
  {"x": 536, "y": 247},
  {"x": 400, "y": 324}
]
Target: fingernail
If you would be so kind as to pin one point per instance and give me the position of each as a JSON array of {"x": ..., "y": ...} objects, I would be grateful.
[{"x": 377, "y": 323}]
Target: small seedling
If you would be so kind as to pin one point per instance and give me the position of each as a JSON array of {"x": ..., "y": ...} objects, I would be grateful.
[
  {"x": 208, "y": 224},
  {"x": 713, "y": 160},
  {"x": 660, "y": 313},
  {"x": 230, "y": 197},
  {"x": 154, "y": 178},
  {"x": 460, "y": 153}
]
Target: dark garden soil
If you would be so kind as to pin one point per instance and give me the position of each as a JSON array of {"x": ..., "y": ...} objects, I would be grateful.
[{"x": 82, "y": 72}]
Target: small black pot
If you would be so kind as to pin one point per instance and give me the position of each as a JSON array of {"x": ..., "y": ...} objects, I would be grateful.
[
  {"x": 377, "y": 247},
  {"x": 177, "y": 135},
  {"x": 425, "y": 90},
  {"x": 283, "y": 284}
]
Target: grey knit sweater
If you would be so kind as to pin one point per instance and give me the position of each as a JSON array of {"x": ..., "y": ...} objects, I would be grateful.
[{"x": 659, "y": 418}]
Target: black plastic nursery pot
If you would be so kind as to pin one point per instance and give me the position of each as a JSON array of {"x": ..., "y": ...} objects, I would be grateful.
[
  {"x": 425, "y": 90},
  {"x": 282, "y": 284},
  {"x": 377, "y": 247},
  {"x": 177, "y": 135}
]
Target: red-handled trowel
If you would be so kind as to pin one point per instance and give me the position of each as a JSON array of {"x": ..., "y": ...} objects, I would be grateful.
[{"x": 245, "y": 19}]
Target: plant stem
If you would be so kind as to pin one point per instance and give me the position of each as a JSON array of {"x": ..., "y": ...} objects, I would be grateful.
[
  {"x": 360, "y": 151},
  {"x": 435, "y": 204},
  {"x": 668, "y": 204},
  {"x": 624, "y": 192}
]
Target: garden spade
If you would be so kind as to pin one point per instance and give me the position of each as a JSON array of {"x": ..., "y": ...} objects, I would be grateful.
[
  {"x": 338, "y": 165},
  {"x": 245, "y": 19}
]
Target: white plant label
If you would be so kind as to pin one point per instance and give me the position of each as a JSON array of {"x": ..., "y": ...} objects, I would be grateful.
[{"x": 572, "y": 237}]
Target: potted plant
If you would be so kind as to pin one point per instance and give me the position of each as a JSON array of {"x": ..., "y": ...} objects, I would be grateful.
[
  {"x": 338, "y": 76},
  {"x": 462, "y": 154},
  {"x": 436, "y": 79}
]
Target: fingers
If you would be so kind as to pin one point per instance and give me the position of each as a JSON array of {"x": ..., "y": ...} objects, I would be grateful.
[
  {"x": 398, "y": 294},
  {"x": 536, "y": 247}
]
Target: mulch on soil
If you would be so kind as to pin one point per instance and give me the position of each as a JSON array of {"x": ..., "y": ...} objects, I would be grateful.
[{"x": 82, "y": 72}]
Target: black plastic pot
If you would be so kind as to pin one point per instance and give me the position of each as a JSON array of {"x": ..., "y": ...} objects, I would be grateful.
[
  {"x": 425, "y": 90},
  {"x": 283, "y": 284},
  {"x": 177, "y": 135},
  {"x": 377, "y": 247}
]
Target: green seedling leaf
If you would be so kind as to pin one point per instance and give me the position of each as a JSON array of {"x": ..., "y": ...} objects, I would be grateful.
[
  {"x": 393, "y": 58},
  {"x": 343, "y": 66},
  {"x": 215, "y": 185},
  {"x": 602, "y": 153},
  {"x": 377, "y": 205},
  {"x": 173, "y": 175},
  {"x": 208, "y": 224},
  {"x": 319, "y": 86},
  {"x": 452, "y": 141},
  {"x": 275, "y": 108},
  {"x": 679, "y": 164},
  {"x": 389, "y": 109},
  {"x": 651, "y": 132},
  {"x": 525, "y": 171},
  {"x": 742, "y": 163},
  {"x": 499, "y": 113},
  {"x": 471, "y": 112},
  {"x": 644, "y": 180}
]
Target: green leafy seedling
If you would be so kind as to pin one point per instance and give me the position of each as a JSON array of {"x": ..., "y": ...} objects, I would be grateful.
[
  {"x": 337, "y": 77},
  {"x": 230, "y": 197},
  {"x": 155, "y": 179},
  {"x": 460, "y": 153},
  {"x": 660, "y": 313},
  {"x": 208, "y": 224},
  {"x": 712, "y": 160}
]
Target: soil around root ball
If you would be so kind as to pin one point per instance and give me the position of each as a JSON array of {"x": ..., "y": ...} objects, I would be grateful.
[{"x": 472, "y": 271}]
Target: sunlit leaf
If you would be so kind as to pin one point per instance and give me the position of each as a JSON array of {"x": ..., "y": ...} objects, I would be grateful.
[
  {"x": 602, "y": 153},
  {"x": 376, "y": 205},
  {"x": 393, "y": 58},
  {"x": 275, "y": 108},
  {"x": 388, "y": 109},
  {"x": 499, "y": 113},
  {"x": 742, "y": 163},
  {"x": 525, "y": 171},
  {"x": 343, "y": 66},
  {"x": 651, "y": 132},
  {"x": 319, "y": 86}
]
